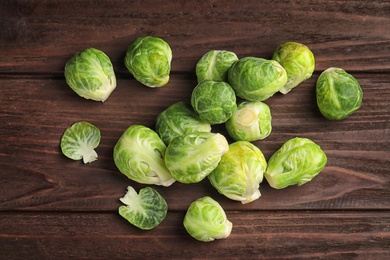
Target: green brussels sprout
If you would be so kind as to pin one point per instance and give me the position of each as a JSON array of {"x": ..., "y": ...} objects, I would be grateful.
[
  {"x": 338, "y": 94},
  {"x": 90, "y": 74},
  {"x": 251, "y": 122},
  {"x": 214, "y": 101},
  {"x": 298, "y": 161},
  {"x": 145, "y": 210},
  {"x": 191, "y": 157},
  {"x": 214, "y": 65},
  {"x": 205, "y": 220},
  {"x": 79, "y": 141},
  {"x": 139, "y": 154},
  {"x": 298, "y": 61},
  {"x": 148, "y": 59},
  {"x": 256, "y": 79},
  {"x": 179, "y": 119},
  {"x": 240, "y": 172}
]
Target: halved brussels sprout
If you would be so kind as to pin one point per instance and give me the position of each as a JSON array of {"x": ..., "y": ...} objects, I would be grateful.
[
  {"x": 205, "y": 220},
  {"x": 297, "y": 162},
  {"x": 79, "y": 141},
  {"x": 251, "y": 122},
  {"x": 256, "y": 79},
  {"x": 179, "y": 119},
  {"x": 148, "y": 59},
  {"x": 191, "y": 157},
  {"x": 139, "y": 154},
  {"x": 338, "y": 94},
  {"x": 90, "y": 74},
  {"x": 214, "y": 101},
  {"x": 145, "y": 210},
  {"x": 298, "y": 61},
  {"x": 214, "y": 65},
  {"x": 240, "y": 172}
]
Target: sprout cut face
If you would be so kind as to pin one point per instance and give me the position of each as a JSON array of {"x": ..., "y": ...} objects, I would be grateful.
[
  {"x": 148, "y": 59},
  {"x": 79, "y": 141},
  {"x": 138, "y": 154},
  {"x": 297, "y": 162},
  {"x": 91, "y": 75},
  {"x": 240, "y": 172},
  {"x": 205, "y": 220},
  {"x": 338, "y": 94},
  {"x": 191, "y": 157},
  {"x": 251, "y": 122},
  {"x": 298, "y": 61},
  {"x": 256, "y": 79},
  {"x": 214, "y": 65},
  {"x": 179, "y": 119},
  {"x": 213, "y": 101},
  {"x": 145, "y": 210}
]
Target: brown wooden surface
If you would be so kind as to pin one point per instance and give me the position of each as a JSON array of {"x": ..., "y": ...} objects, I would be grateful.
[{"x": 55, "y": 208}]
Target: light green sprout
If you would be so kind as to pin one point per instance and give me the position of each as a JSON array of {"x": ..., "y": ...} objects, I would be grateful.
[
  {"x": 298, "y": 61},
  {"x": 91, "y": 75},
  {"x": 214, "y": 65},
  {"x": 191, "y": 157},
  {"x": 297, "y": 162},
  {"x": 338, "y": 94},
  {"x": 179, "y": 119},
  {"x": 79, "y": 141},
  {"x": 256, "y": 79},
  {"x": 148, "y": 59},
  {"x": 240, "y": 172},
  {"x": 145, "y": 210},
  {"x": 251, "y": 122},
  {"x": 205, "y": 220},
  {"x": 139, "y": 154}
]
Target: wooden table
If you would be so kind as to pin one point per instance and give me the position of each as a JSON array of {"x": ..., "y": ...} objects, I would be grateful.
[{"x": 54, "y": 208}]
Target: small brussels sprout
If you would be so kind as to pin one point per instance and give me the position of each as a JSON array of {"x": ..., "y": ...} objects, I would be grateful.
[
  {"x": 90, "y": 74},
  {"x": 251, "y": 122},
  {"x": 179, "y": 119},
  {"x": 213, "y": 101},
  {"x": 214, "y": 65},
  {"x": 298, "y": 161},
  {"x": 240, "y": 172},
  {"x": 139, "y": 154},
  {"x": 298, "y": 61},
  {"x": 256, "y": 79},
  {"x": 148, "y": 59},
  {"x": 191, "y": 157},
  {"x": 79, "y": 141},
  {"x": 205, "y": 220},
  {"x": 338, "y": 94},
  {"x": 145, "y": 210}
]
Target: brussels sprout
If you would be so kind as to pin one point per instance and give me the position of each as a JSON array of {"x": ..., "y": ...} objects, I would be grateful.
[
  {"x": 215, "y": 102},
  {"x": 251, "y": 122},
  {"x": 240, "y": 172},
  {"x": 90, "y": 74},
  {"x": 145, "y": 210},
  {"x": 214, "y": 65},
  {"x": 256, "y": 79},
  {"x": 148, "y": 59},
  {"x": 179, "y": 119},
  {"x": 205, "y": 220},
  {"x": 79, "y": 141},
  {"x": 191, "y": 157},
  {"x": 298, "y": 161},
  {"x": 298, "y": 61},
  {"x": 139, "y": 154},
  {"x": 338, "y": 94}
]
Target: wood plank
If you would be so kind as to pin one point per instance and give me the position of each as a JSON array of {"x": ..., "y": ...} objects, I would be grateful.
[
  {"x": 262, "y": 234},
  {"x": 40, "y": 36},
  {"x": 34, "y": 113}
]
